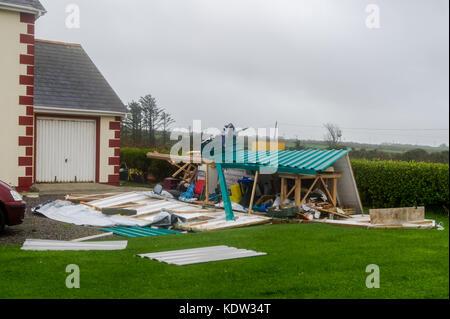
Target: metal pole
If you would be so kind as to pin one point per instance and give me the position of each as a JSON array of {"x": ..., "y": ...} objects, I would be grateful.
[{"x": 223, "y": 189}]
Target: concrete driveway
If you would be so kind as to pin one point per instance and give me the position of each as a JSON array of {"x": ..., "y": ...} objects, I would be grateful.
[{"x": 82, "y": 188}]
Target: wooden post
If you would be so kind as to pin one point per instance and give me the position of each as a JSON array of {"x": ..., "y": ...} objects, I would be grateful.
[
  {"x": 283, "y": 191},
  {"x": 298, "y": 190},
  {"x": 334, "y": 191},
  {"x": 207, "y": 184},
  {"x": 252, "y": 198}
]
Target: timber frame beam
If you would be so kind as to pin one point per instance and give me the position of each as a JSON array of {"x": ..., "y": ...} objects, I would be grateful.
[{"x": 297, "y": 188}]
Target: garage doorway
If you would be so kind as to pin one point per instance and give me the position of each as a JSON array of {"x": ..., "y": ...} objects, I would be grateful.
[{"x": 65, "y": 150}]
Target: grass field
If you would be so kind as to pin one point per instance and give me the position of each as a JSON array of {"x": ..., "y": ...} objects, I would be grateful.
[{"x": 303, "y": 261}]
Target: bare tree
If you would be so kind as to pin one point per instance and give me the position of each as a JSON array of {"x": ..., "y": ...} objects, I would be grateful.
[
  {"x": 133, "y": 121},
  {"x": 151, "y": 117},
  {"x": 166, "y": 121},
  {"x": 333, "y": 136}
]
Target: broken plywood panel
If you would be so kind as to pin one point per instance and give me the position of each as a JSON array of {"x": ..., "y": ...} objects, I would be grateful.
[
  {"x": 219, "y": 222},
  {"x": 120, "y": 199},
  {"x": 197, "y": 217}
]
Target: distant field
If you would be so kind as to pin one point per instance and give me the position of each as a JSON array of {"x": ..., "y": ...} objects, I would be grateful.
[
  {"x": 381, "y": 150},
  {"x": 394, "y": 148}
]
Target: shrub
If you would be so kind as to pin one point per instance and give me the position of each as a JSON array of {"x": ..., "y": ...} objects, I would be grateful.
[
  {"x": 137, "y": 158},
  {"x": 399, "y": 183}
]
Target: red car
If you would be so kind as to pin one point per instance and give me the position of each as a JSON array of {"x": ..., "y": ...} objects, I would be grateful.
[{"x": 12, "y": 206}]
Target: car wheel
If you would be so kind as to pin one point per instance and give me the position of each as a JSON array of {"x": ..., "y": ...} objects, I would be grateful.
[{"x": 2, "y": 220}]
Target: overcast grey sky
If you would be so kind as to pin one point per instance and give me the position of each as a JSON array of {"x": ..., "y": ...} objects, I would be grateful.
[{"x": 254, "y": 62}]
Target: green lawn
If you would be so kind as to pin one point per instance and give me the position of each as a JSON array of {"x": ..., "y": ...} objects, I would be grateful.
[{"x": 303, "y": 261}]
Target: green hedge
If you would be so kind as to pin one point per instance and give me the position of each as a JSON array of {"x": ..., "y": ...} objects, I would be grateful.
[
  {"x": 380, "y": 183},
  {"x": 137, "y": 158},
  {"x": 400, "y": 184}
]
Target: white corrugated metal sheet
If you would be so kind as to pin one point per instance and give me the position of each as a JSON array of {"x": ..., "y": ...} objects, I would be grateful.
[
  {"x": 43, "y": 244},
  {"x": 200, "y": 255},
  {"x": 65, "y": 150}
]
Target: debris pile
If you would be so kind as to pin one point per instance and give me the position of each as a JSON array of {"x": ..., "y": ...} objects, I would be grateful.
[{"x": 134, "y": 214}]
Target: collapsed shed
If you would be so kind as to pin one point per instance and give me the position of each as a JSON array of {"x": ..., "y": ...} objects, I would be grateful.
[
  {"x": 295, "y": 173},
  {"x": 329, "y": 169}
]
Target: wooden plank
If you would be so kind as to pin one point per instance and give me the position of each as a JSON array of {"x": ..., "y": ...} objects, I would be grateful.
[
  {"x": 291, "y": 191},
  {"x": 264, "y": 197},
  {"x": 283, "y": 191},
  {"x": 334, "y": 191},
  {"x": 252, "y": 198},
  {"x": 129, "y": 205},
  {"x": 207, "y": 184},
  {"x": 288, "y": 176},
  {"x": 298, "y": 191},
  {"x": 302, "y": 215},
  {"x": 92, "y": 237},
  {"x": 308, "y": 192},
  {"x": 327, "y": 191},
  {"x": 182, "y": 168},
  {"x": 197, "y": 158},
  {"x": 192, "y": 211},
  {"x": 92, "y": 206},
  {"x": 329, "y": 211},
  {"x": 325, "y": 176}
]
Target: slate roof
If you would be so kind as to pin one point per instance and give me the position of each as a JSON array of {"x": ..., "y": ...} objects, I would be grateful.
[
  {"x": 65, "y": 77},
  {"x": 33, "y": 4}
]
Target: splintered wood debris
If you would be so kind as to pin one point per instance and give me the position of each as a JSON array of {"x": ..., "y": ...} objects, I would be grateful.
[{"x": 145, "y": 208}]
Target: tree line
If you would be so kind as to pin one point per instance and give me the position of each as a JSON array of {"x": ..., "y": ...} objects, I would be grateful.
[
  {"x": 333, "y": 140},
  {"x": 147, "y": 124}
]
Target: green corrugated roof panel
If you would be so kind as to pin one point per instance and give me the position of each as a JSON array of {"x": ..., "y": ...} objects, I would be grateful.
[
  {"x": 301, "y": 162},
  {"x": 134, "y": 231}
]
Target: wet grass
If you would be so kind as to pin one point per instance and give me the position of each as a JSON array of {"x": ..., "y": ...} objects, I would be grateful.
[{"x": 303, "y": 261}]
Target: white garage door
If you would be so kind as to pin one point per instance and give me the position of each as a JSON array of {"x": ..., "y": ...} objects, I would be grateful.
[{"x": 65, "y": 150}]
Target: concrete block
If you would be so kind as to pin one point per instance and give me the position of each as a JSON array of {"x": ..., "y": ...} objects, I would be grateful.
[{"x": 396, "y": 215}]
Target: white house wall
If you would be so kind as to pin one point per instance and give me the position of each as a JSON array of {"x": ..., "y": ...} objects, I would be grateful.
[
  {"x": 16, "y": 97},
  {"x": 109, "y": 150}
]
